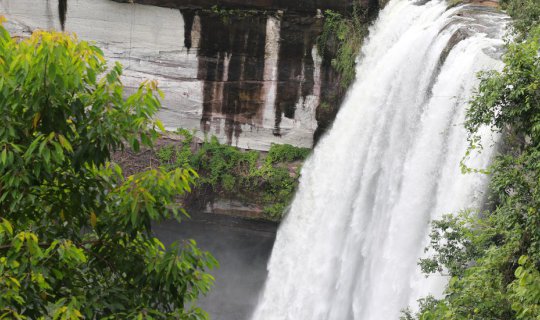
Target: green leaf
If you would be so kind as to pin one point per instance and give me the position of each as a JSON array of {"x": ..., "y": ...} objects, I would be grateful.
[
  {"x": 63, "y": 141},
  {"x": 3, "y": 156}
]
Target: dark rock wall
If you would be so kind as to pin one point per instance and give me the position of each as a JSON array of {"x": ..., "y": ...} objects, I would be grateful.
[
  {"x": 331, "y": 97},
  {"x": 232, "y": 61},
  {"x": 231, "y": 65},
  {"x": 296, "y": 64},
  {"x": 62, "y": 10},
  {"x": 293, "y": 5}
]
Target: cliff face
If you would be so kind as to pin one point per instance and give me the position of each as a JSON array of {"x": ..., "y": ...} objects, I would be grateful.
[
  {"x": 261, "y": 76},
  {"x": 306, "y": 6},
  {"x": 251, "y": 78}
]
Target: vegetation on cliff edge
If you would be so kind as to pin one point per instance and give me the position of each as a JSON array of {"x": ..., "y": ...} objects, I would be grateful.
[
  {"x": 229, "y": 172},
  {"x": 341, "y": 38}
]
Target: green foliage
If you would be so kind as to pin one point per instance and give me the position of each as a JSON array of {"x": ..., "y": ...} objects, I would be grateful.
[
  {"x": 511, "y": 96},
  {"x": 217, "y": 162},
  {"x": 230, "y": 172},
  {"x": 525, "y": 290},
  {"x": 525, "y": 15},
  {"x": 286, "y": 153},
  {"x": 75, "y": 234},
  {"x": 324, "y": 105},
  {"x": 165, "y": 154},
  {"x": 475, "y": 255},
  {"x": 426, "y": 305},
  {"x": 493, "y": 258},
  {"x": 454, "y": 3},
  {"x": 227, "y": 15},
  {"x": 456, "y": 243},
  {"x": 345, "y": 35}
]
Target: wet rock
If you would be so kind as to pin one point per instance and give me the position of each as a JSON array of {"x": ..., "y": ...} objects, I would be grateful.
[
  {"x": 251, "y": 79},
  {"x": 62, "y": 9},
  {"x": 309, "y": 6}
]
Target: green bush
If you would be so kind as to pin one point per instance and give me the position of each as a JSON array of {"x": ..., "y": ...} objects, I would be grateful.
[
  {"x": 286, "y": 153},
  {"x": 231, "y": 172},
  {"x": 525, "y": 15},
  {"x": 165, "y": 154}
]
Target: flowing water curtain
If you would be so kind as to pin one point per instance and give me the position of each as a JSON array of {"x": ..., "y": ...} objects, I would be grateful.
[{"x": 391, "y": 162}]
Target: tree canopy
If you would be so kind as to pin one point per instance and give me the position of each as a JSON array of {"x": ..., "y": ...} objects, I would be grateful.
[{"x": 75, "y": 233}]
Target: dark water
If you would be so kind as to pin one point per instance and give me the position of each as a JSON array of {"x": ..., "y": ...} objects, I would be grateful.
[{"x": 242, "y": 248}]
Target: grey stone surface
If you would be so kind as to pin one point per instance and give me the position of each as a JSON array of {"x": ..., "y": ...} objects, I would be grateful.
[
  {"x": 240, "y": 79},
  {"x": 295, "y": 5}
]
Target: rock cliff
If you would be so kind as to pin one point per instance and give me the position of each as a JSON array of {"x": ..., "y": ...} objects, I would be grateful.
[
  {"x": 305, "y": 6},
  {"x": 252, "y": 78}
]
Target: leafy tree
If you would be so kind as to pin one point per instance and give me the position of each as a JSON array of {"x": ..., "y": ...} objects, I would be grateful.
[
  {"x": 525, "y": 13},
  {"x": 75, "y": 234}
]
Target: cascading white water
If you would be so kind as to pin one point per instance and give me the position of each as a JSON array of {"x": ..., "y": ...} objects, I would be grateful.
[{"x": 349, "y": 246}]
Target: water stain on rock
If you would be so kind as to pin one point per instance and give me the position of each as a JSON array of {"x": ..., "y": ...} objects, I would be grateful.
[
  {"x": 62, "y": 11},
  {"x": 189, "y": 17},
  {"x": 233, "y": 53},
  {"x": 296, "y": 64},
  {"x": 231, "y": 66}
]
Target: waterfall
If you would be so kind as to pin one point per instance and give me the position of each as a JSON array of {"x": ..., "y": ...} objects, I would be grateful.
[{"x": 348, "y": 249}]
